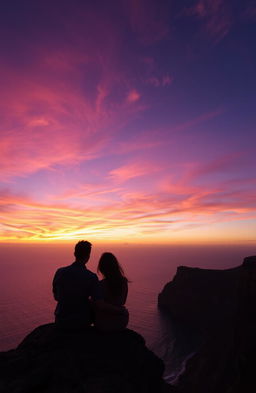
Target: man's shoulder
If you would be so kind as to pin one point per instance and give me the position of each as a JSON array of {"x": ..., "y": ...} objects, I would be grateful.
[
  {"x": 63, "y": 269},
  {"x": 90, "y": 274},
  {"x": 73, "y": 269}
]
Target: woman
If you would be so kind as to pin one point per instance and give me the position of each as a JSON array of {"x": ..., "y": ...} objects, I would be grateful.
[{"x": 114, "y": 286}]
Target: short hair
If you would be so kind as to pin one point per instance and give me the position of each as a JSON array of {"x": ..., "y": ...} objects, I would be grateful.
[{"x": 82, "y": 249}]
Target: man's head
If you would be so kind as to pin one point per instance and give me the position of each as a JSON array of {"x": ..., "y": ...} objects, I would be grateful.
[{"x": 83, "y": 251}]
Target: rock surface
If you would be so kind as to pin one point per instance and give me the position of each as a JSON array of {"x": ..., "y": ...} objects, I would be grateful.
[
  {"x": 201, "y": 297},
  {"x": 50, "y": 360},
  {"x": 223, "y": 305}
]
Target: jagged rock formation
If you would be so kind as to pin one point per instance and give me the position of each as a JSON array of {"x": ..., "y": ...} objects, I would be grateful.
[
  {"x": 222, "y": 305},
  {"x": 52, "y": 361}
]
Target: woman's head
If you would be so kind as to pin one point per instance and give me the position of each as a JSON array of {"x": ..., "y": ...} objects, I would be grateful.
[{"x": 109, "y": 266}]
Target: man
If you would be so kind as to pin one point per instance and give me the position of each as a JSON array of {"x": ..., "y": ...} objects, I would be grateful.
[{"x": 73, "y": 287}]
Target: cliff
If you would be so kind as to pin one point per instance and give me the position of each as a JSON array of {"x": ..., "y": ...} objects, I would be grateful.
[
  {"x": 201, "y": 297},
  {"x": 222, "y": 305},
  {"x": 53, "y": 361}
]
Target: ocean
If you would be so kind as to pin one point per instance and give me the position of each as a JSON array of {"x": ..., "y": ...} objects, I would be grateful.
[{"x": 26, "y": 301}]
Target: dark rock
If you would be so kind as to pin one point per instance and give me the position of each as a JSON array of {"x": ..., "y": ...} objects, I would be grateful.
[
  {"x": 225, "y": 363},
  {"x": 201, "y": 297},
  {"x": 53, "y": 360},
  {"x": 250, "y": 261}
]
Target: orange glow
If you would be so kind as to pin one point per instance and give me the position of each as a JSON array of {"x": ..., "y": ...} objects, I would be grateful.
[{"x": 121, "y": 123}]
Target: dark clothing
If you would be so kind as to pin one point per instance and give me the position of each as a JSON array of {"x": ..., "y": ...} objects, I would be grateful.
[
  {"x": 113, "y": 321},
  {"x": 115, "y": 299},
  {"x": 73, "y": 286}
]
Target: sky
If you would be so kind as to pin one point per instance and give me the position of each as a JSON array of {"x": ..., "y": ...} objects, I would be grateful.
[{"x": 128, "y": 121}]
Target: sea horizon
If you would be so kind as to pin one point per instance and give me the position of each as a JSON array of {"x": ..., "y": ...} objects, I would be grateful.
[{"x": 26, "y": 274}]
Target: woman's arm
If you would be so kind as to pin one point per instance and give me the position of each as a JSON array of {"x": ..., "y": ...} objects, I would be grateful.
[{"x": 103, "y": 306}]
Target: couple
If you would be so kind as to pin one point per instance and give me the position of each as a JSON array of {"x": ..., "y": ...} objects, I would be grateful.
[{"x": 83, "y": 300}]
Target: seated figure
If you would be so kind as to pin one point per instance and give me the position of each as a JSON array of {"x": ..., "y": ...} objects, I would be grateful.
[
  {"x": 73, "y": 288},
  {"x": 114, "y": 289}
]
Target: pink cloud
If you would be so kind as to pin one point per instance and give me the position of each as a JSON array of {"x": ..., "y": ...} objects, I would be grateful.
[
  {"x": 26, "y": 151},
  {"x": 196, "y": 206},
  {"x": 38, "y": 122},
  {"x": 215, "y": 16},
  {"x": 167, "y": 80},
  {"x": 129, "y": 210},
  {"x": 163, "y": 81},
  {"x": 198, "y": 120},
  {"x": 153, "y": 80},
  {"x": 133, "y": 96},
  {"x": 61, "y": 111},
  {"x": 91, "y": 195},
  {"x": 141, "y": 142},
  {"x": 148, "y": 20},
  {"x": 45, "y": 122},
  {"x": 132, "y": 170},
  {"x": 219, "y": 165}
]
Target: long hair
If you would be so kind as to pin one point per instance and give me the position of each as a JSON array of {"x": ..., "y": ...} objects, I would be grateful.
[{"x": 112, "y": 271}]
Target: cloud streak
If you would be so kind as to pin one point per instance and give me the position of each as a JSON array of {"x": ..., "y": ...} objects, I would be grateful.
[
  {"x": 131, "y": 171},
  {"x": 125, "y": 212},
  {"x": 148, "y": 20},
  {"x": 113, "y": 126},
  {"x": 215, "y": 16}
]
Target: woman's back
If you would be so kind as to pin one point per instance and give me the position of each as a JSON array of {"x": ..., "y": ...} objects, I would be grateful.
[
  {"x": 118, "y": 297},
  {"x": 114, "y": 288}
]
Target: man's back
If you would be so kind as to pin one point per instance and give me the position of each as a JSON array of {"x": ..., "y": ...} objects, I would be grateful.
[{"x": 72, "y": 287}]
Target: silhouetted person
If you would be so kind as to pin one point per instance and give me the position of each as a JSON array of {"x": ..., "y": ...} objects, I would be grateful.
[
  {"x": 114, "y": 287},
  {"x": 73, "y": 286}
]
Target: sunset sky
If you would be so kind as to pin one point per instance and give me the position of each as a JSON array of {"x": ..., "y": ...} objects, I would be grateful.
[{"x": 128, "y": 121}]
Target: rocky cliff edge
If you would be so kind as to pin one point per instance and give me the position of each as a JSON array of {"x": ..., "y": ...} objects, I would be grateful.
[
  {"x": 50, "y": 360},
  {"x": 222, "y": 304}
]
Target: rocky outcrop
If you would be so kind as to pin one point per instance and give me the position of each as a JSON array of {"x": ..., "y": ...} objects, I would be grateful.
[
  {"x": 223, "y": 306},
  {"x": 50, "y": 360},
  {"x": 201, "y": 297}
]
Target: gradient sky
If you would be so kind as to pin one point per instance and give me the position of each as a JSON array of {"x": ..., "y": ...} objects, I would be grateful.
[{"x": 128, "y": 120}]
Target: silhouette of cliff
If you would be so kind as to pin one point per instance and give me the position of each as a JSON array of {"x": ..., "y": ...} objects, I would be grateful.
[
  {"x": 201, "y": 297},
  {"x": 222, "y": 304}
]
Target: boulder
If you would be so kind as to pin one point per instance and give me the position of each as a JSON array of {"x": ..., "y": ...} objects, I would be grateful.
[{"x": 53, "y": 360}]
